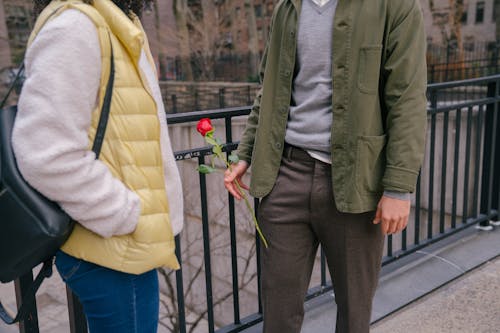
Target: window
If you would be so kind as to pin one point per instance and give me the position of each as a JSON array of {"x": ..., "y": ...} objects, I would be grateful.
[
  {"x": 258, "y": 10},
  {"x": 480, "y": 12},
  {"x": 494, "y": 11},
  {"x": 463, "y": 19}
]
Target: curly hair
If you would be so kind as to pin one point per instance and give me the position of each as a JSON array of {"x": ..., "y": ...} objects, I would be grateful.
[{"x": 127, "y": 6}]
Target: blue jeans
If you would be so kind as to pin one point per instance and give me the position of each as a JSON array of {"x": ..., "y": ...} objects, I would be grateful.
[{"x": 113, "y": 301}]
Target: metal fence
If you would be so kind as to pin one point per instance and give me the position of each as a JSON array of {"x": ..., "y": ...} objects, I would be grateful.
[
  {"x": 195, "y": 97},
  {"x": 231, "y": 67},
  {"x": 476, "y": 59},
  {"x": 458, "y": 187}
]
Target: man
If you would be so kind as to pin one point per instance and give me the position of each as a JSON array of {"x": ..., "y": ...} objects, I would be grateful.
[{"x": 336, "y": 138}]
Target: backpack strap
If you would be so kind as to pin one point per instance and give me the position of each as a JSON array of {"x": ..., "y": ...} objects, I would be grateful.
[{"x": 29, "y": 300}]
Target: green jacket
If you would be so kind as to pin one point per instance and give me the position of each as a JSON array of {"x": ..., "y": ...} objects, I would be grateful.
[{"x": 378, "y": 104}]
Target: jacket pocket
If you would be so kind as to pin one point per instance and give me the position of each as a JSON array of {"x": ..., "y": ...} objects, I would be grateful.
[
  {"x": 370, "y": 163},
  {"x": 369, "y": 68}
]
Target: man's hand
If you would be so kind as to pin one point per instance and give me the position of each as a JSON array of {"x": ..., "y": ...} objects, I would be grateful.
[
  {"x": 233, "y": 175},
  {"x": 393, "y": 213}
]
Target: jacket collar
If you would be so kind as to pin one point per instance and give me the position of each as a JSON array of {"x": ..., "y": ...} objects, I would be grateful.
[{"x": 128, "y": 31}]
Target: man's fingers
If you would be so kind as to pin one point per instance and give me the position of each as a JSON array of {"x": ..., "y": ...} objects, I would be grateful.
[
  {"x": 393, "y": 226},
  {"x": 233, "y": 190},
  {"x": 378, "y": 215},
  {"x": 232, "y": 179},
  {"x": 243, "y": 185},
  {"x": 402, "y": 224},
  {"x": 385, "y": 227},
  {"x": 229, "y": 177}
]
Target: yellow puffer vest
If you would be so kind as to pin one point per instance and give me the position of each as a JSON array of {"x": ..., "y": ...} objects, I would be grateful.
[{"x": 131, "y": 147}]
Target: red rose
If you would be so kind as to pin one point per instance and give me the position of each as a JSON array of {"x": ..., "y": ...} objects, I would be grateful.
[{"x": 205, "y": 126}]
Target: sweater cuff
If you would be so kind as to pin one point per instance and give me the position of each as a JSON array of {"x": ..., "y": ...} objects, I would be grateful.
[{"x": 405, "y": 196}]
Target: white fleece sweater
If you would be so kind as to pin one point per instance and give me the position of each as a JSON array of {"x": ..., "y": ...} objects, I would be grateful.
[{"x": 50, "y": 137}]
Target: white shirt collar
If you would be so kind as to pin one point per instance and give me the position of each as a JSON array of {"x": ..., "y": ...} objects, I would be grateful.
[{"x": 321, "y": 3}]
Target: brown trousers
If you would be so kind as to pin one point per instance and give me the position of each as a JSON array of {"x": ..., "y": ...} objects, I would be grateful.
[{"x": 297, "y": 216}]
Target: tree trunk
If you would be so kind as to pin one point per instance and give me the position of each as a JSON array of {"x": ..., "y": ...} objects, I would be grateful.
[
  {"x": 180, "y": 9},
  {"x": 457, "y": 10},
  {"x": 496, "y": 8},
  {"x": 209, "y": 38},
  {"x": 253, "y": 38},
  {"x": 5, "y": 54}
]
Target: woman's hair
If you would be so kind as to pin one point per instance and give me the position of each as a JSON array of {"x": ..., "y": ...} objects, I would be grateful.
[{"x": 135, "y": 6}]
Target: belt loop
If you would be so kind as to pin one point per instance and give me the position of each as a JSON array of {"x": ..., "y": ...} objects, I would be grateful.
[{"x": 287, "y": 153}]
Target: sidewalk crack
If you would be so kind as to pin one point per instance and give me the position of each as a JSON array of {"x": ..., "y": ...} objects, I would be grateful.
[{"x": 444, "y": 260}]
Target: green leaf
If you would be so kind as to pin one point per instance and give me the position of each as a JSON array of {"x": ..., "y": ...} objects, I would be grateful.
[
  {"x": 219, "y": 142},
  {"x": 233, "y": 158},
  {"x": 206, "y": 169}
]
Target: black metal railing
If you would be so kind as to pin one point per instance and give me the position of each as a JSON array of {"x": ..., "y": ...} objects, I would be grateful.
[{"x": 458, "y": 187}]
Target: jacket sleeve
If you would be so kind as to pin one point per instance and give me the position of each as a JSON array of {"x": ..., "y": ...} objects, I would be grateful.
[
  {"x": 245, "y": 147},
  {"x": 50, "y": 137},
  {"x": 405, "y": 81}
]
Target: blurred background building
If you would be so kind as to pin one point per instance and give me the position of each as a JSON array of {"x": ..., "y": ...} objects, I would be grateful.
[{"x": 208, "y": 52}]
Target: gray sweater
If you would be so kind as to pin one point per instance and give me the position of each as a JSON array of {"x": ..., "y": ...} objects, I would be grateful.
[{"x": 310, "y": 118}]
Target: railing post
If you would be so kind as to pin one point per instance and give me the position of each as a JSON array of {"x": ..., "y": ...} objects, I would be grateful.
[
  {"x": 22, "y": 287},
  {"x": 249, "y": 95},
  {"x": 222, "y": 102},
  {"x": 448, "y": 47},
  {"x": 491, "y": 153},
  {"x": 174, "y": 103},
  {"x": 77, "y": 319},
  {"x": 180, "y": 288},
  {"x": 196, "y": 99}
]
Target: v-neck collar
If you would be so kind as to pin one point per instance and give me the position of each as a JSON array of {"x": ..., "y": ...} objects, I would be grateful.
[{"x": 322, "y": 9}]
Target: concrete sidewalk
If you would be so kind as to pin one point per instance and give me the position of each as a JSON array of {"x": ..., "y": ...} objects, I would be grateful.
[{"x": 470, "y": 304}]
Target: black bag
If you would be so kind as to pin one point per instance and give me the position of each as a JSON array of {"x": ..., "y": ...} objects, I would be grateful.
[{"x": 32, "y": 227}]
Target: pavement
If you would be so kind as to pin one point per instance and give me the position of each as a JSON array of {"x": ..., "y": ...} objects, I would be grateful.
[{"x": 452, "y": 286}]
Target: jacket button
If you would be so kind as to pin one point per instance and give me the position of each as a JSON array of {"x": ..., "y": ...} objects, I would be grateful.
[
  {"x": 342, "y": 24},
  {"x": 284, "y": 109},
  {"x": 292, "y": 33},
  {"x": 278, "y": 145}
]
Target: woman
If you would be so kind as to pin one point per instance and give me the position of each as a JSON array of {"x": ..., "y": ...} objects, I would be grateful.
[{"x": 128, "y": 203}]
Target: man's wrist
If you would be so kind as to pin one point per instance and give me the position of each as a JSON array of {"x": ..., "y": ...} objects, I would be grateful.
[{"x": 397, "y": 195}]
